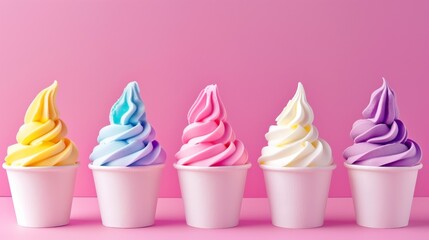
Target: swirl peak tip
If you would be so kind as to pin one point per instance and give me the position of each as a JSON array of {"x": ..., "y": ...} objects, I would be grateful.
[
  {"x": 384, "y": 82},
  {"x": 300, "y": 91},
  {"x": 211, "y": 87},
  {"x": 300, "y": 87},
  {"x": 53, "y": 87},
  {"x": 132, "y": 85}
]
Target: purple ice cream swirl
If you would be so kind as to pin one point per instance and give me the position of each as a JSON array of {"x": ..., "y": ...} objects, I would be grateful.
[{"x": 380, "y": 139}]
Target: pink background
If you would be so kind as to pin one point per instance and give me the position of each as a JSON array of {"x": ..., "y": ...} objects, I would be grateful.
[{"x": 255, "y": 50}]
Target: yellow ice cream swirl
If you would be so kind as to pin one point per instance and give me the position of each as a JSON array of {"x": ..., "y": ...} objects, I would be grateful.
[{"x": 41, "y": 139}]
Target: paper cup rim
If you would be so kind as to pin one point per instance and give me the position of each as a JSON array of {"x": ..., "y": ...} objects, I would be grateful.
[
  {"x": 382, "y": 169},
  {"x": 298, "y": 169},
  {"x": 125, "y": 169},
  {"x": 212, "y": 169},
  {"x": 40, "y": 168}
]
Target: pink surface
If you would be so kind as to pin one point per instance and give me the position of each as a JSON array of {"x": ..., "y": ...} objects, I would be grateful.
[
  {"x": 255, "y": 224},
  {"x": 255, "y": 50}
]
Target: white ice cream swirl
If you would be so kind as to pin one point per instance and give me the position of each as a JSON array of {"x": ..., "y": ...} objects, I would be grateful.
[{"x": 294, "y": 141}]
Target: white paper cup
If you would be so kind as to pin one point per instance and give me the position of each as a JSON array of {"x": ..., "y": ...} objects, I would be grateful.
[
  {"x": 42, "y": 196},
  {"x": 297, "y": 195},
  {"x": 212, "y": 195},
  {"x": 127, "y": 196},
  {"x": 382, "y": 196}
]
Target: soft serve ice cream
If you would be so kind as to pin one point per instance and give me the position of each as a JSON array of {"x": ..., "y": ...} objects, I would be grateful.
[
  {"x": 382, "y": 164},
  {"x": 129, "y": 140},
  {"x": 42, "y": 138},
  {"x": 212, "y": 165},
  {"x": 127, "y": 164},
  {"x": 294, "y": 141},
  {"x": 380, "y": 138},
  {"x": 209, "y": 140},
  {"x": 297, "y": 167}
]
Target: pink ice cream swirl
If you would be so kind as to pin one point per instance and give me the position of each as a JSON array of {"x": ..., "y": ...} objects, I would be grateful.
[{"x": 209, "y": 140}]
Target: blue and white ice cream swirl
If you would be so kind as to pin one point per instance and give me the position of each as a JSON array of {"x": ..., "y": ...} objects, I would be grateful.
[{"x": 129, "y": 140}]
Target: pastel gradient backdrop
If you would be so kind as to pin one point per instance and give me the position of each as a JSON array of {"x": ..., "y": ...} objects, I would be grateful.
[{"x": 255, "y": 50}]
